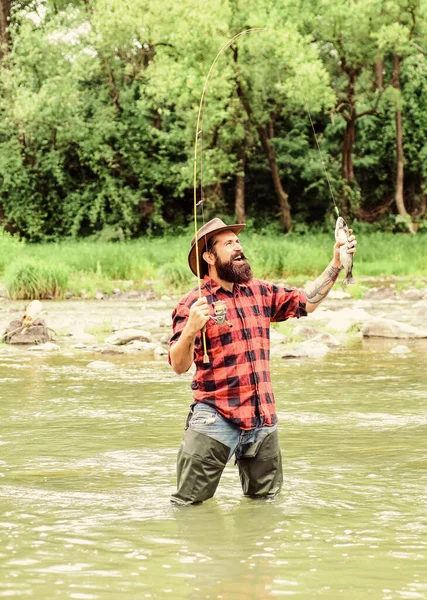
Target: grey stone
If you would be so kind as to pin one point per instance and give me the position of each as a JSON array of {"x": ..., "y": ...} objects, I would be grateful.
[
  {"x": 110, "y": 349},
  {"x": 160, "y": 352},
  {"x": 128, "y": 335},
  {"x": 307, "y": 349},
  {"x": 379, "y": 327},
  {"x": 326, "y": 338},
  {"x": 35, "y": 334},
  {"x": 338, "y": 295},
  {"x": 305, "y": 332},
  {"x": 420, "y": 319},
  {"x": 78, "y": 334},
  {"x": 47, "y": 347},
  {"x": 294, "y": 352},
  {"x": 400, "y": 350},
  {"x": 165, "y": 339},
  {"x": 277, "y": 338},
  {"x": 346, "y": 318},
  {"x": 381, "y": 293},
  {"x": 414, "y": 294},
  {"x": 139, "y": 346}
]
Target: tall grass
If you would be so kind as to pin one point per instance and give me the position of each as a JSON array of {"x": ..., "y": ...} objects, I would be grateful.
[
  {"x": 28, "y": 279},
  {"x": 162, "y": 262}
]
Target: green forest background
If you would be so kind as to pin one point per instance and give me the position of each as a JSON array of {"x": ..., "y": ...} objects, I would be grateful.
[{"x": 99, "y": 102}]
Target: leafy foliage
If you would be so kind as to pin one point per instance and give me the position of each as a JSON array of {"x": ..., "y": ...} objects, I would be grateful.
[{"x": 99, "y": 103}]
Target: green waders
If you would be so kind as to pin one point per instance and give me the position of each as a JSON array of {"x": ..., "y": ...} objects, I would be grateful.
[
  {"x": 201, "y": 461},
  {"x": 260, "y": 468}
]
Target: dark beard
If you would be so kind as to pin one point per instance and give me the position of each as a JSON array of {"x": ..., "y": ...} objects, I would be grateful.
[{"x": 233, "y": 272}]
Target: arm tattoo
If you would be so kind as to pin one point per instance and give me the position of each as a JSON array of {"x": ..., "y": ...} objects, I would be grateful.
[{"x": 319, "y": 289}]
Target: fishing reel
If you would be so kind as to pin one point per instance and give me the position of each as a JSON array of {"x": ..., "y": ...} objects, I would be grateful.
[{"x": 220, "y": 313}]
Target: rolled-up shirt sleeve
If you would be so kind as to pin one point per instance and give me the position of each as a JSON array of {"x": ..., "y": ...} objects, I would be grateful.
[
  {"x": 179, "y": 319},
  {"x": 287, "y": 304}
]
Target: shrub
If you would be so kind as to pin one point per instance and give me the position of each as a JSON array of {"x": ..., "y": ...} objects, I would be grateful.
[{"x": 30, "y": 280}]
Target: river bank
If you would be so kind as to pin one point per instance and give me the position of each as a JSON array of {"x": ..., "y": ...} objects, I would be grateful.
[
  {"x": 138, "y": 322},
  {"x": 84, "y": 269}
]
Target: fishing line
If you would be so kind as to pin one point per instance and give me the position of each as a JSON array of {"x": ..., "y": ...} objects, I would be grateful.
[{"x": 336, "y": 209}]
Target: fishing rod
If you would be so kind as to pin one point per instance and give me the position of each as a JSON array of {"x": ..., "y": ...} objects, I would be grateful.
[{"x": 199, "y": 135}]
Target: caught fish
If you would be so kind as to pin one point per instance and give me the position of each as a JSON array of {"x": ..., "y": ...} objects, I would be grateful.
[{"x": 342, "y": 235}]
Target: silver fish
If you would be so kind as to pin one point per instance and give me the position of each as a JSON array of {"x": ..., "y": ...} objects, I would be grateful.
[{"x": 342, "y": 235}]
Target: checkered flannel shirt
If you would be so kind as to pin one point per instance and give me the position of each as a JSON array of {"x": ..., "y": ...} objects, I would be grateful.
[{"x": 237, "y": 381}]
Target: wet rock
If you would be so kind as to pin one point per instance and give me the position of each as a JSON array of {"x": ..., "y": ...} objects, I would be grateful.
[
  {"x": 30, "y": 329},
  {"x": 315, "y": 349},
  {"x": 326, "y": 338},
  {"x": 35, "y": 334},
  {"x": 420, "y": 319},
  {"x": 305, "y": 332},
  {"x": 294, "y": 352},
  {"x": 381, "y": 293},
  {"x": 128, "y": 335},
  {"x": 101, "y": 365},
  {"x": 47, "y": 347},
  {"x": 338, "y": 295},
  {"x": 346, "y": 318},
  {"x": 307, "y": 349},
  {"x": 160, "y": 352},
  {"x": 414, "y": 294},
  {"x": 400, "y": 350},
  {"x": 379, "y": 327},
  {"x": 150, "y": 295},
  {"x": 165, "y": 339},
  {"x": 110, "y": 349},
  {"x": 79, "y": 335},
  {"x": 140, "y": 346},
  {"x": 278, "y": 338}
]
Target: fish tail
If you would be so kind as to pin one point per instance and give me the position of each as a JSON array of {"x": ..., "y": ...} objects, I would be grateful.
[{"x": 348, "y": 280}]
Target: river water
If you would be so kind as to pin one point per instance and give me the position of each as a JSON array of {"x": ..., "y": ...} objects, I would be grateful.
[{"x": 87, "y": 465}]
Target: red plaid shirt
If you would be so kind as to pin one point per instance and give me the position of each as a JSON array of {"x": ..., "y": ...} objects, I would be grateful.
[{"x": 237, "y": 381}]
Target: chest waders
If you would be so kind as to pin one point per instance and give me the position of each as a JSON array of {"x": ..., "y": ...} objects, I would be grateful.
[
  {"x": 260, "y": 468},
  {"x": 201, "y": 461}
]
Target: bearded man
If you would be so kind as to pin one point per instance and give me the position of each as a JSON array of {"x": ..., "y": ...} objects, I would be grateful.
[{"x": 233, "y": 411}]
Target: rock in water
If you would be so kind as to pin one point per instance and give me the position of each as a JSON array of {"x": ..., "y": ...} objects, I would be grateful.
[{"x": 29, "y": 330}]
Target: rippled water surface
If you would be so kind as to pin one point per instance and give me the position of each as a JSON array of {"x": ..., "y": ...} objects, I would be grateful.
[{"x": 87, "y": 464}]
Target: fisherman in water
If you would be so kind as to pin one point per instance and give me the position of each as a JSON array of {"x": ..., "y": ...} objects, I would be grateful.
[{"x": 233, "y": 412}]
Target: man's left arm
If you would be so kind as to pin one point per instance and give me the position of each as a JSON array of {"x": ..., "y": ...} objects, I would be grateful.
[{"x": 317, "y": 291}]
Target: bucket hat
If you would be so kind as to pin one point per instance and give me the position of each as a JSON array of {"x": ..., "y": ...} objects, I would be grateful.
[{"x": 204, "y": 234}]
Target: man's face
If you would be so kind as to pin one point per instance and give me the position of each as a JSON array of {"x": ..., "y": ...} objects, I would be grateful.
[{"x": 230, "y": 261}]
